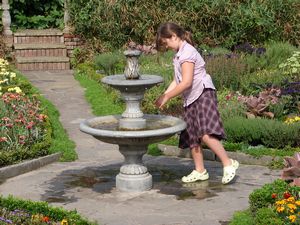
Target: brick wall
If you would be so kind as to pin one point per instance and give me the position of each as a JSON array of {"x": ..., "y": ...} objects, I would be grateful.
[{"x": 72, "y": 41}]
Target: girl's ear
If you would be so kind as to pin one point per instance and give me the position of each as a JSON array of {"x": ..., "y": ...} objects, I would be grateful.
[{"x": 174, "y": 36}]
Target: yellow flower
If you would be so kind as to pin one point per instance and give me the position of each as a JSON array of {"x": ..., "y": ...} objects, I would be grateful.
[
  {"x": 291, "y": 199},
  {"x": 280, "y": 209},
  {"x": 280, "y": 202},
  {"x": 18, "y": 90},
  {"x": 64, "y": 222},
  {"x": 297, "y": 202},
  {"x": 15, "y": 89},
  {"x": 292, "y": 218},
  {"x": 13, "y": 75}
]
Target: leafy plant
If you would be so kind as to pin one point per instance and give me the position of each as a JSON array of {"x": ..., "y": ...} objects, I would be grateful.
[
  {"x": 291, "y": 172},
  {"x": 110, "y": 63},
  {"x": 291, "y": 67},
  {"x": 39, "y": 14},
  {"x": 258, "y": 106}
]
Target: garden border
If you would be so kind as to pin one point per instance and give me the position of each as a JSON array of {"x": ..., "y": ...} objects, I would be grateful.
[
  {"x": 27, "y": 166},
  {"x": 243, "y": 158}
]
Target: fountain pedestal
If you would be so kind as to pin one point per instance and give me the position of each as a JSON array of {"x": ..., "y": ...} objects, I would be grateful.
[{"x": 133, "y": 174}]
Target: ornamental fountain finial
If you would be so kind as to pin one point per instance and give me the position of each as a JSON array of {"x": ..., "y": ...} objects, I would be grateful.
[{"x": 132, "y": 68}]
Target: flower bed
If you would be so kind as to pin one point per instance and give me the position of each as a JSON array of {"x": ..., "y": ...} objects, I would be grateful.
[
  {"x": 25, "y": 212},
  {"x": 29, "y": 125},
  {"x": 277, "y": 203}
]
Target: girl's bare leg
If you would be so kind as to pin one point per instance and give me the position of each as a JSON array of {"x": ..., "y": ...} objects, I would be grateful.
[
  {"x": 197, "y": 155},
  {"x": 216, "y": 146}
]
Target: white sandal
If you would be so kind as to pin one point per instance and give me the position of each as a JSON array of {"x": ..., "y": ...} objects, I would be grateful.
[
  {"x": 194, "y": 176},
  {"x": 230, "y": 171}
]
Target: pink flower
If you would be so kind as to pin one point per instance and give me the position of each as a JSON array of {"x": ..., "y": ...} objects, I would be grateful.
[
  {"x": 9, "y": 125},
  {"x": 2, "y": 139},
  {"x": 5, "y": 119},
  {"x": 30, "y": 125}
]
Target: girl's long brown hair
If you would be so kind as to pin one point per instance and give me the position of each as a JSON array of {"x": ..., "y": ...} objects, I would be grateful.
[{"x": 166, "y": 30}]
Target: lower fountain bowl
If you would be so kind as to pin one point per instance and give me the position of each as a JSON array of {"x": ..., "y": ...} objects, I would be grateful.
[{"x": 158, "y": 128}]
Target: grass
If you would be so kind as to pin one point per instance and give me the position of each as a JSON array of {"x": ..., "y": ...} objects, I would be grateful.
[
  {"x": 101, "y": 101},
  {"x": 61, "y": 141}
]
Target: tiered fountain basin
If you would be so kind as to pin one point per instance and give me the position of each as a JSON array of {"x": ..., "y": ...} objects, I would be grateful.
[{"x": 133, "y": 131}]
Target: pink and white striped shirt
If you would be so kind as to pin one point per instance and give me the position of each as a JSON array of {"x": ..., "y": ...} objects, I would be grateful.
[{"x": 201, "y": 80}]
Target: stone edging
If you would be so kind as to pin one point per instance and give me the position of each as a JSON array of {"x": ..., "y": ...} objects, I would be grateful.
[
  {"x": 24, "y": 167},
  {"x": 209, "y": 155}
]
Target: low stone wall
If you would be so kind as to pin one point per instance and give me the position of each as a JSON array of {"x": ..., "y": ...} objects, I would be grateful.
[{"x": 209, "y": 155}]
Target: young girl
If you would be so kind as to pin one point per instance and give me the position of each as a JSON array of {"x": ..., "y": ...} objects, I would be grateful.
[{"x": 200, "y": 102}]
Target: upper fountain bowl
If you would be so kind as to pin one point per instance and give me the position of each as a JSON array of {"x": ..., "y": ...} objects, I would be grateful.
[{"x": 122, "y": 84}]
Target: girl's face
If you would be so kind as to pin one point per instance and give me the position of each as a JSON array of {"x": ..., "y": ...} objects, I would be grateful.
[{"x": 173, "y": 42}]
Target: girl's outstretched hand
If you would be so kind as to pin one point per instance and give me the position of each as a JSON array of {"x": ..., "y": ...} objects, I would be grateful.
[{"x": 161, "y": 101}]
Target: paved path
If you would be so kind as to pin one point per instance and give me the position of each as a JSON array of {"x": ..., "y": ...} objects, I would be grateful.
[{"x": 88, "y": 183}]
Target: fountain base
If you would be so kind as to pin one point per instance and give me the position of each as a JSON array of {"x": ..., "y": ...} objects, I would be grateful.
[{"x": 134, "y": 183}]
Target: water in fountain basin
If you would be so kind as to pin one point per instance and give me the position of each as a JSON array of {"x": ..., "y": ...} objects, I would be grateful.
[{"x": 151, "y": 124}]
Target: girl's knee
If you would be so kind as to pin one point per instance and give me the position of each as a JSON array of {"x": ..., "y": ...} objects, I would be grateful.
[{"x": 205, "y": 138}]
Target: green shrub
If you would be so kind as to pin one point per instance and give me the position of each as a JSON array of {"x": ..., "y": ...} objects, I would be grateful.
[
  {"x": 110, "y": 63},
  {"x": 276, "y": 53},
  {"x": 242, "y": 218},
  {"x": 221, "y": 22},
  {"x": 39, "y": 14},
  {"x": 267, "y": 216},
  {"x": 291, "y": 67},
  {"x": 271, "y": 133},
  {"x": 226, "y": 72}
]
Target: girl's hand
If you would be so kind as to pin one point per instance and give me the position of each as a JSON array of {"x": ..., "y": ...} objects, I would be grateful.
[{"x": 161, "y": 101}]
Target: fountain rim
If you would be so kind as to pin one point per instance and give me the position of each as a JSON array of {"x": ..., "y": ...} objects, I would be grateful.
[
  {"x": 84, "y": 126},
  {"x": 145, "y": 79}
]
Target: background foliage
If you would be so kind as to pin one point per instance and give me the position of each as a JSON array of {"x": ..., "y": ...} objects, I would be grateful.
[
  {"x": 219, "y": 22},
  {"x": 39, "y": 14}
]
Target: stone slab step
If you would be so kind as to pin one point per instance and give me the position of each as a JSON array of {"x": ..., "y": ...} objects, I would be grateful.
[
  {"x": 44, "y": 32},
  {"x": 43, "y": 63}
]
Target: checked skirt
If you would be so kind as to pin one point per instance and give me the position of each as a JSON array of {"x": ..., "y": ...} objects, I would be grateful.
[{"x": 202, "y": 117}]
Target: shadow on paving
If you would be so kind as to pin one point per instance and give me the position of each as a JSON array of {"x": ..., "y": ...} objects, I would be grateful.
[{"x": 101, "y": 179}]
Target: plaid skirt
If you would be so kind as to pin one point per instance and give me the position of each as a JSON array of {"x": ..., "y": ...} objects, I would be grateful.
[{"x": 202, "y": 117}]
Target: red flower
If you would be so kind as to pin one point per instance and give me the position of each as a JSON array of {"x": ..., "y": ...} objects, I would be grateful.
[
  {"x": 286, "y": 195},
  {"x": 46, "y": 219},
  {"x": 274, "y": 195}
]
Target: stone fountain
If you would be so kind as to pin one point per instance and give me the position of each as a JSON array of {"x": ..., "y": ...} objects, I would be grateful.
[{"x": 133, "y": 131}]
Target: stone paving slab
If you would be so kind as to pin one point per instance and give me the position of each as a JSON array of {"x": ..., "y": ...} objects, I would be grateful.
[{"x": 88, "y": 184}]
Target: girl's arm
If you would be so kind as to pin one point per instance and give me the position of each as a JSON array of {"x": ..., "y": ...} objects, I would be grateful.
[
  {"x": 187, "y": 80},
  {"x": 172, "y": 85}
]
